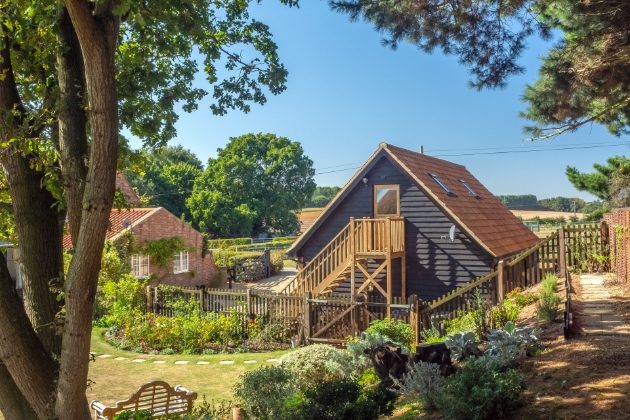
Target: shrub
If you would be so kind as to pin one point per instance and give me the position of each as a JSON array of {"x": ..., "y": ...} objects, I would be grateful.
[
  {"x": 423, "y": 380},
  {"x": 397, "y": 331},
  {"x": 480, "y": 392},
  {"x": 521, "y": 298},
  {"x": 131, "y": 415},
  {"x": 277, "y": 261},
  {"x": 342, "y": 399},
  {"x": 263, "y": 392},
  {"x": 508, "y": 345},
  {"x": 460, "y": 344},
  {"x": 462, "y": 323},
  {"x": 431, "y": 335},
  {"x": 308, "y": 364},
  {"x": 547, "y": 309}
]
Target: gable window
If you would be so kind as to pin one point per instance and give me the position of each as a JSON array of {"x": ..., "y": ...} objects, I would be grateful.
[
  {"x": 386, "y": 200},
  {"x": 140, "y": 266},
  {"x": 469, "y": 189},
  {"x": 441, "y": 184},
  {"x": 180, "y": 262}
]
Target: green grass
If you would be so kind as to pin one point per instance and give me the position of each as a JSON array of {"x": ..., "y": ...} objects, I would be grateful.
[
  {"x": 290, "y": 264},
  {"x": 114, "y": 380}
]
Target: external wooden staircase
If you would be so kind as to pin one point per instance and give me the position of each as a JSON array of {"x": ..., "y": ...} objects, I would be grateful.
[{"x": 361, "y": 240}]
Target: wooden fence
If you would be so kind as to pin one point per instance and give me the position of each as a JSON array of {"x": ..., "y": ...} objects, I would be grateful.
[
  {"x": 554, "y": 254},
  {"x": 331, "y": 318}
]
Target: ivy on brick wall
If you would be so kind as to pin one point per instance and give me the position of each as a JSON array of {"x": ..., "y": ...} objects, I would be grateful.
[{"x": 163, "y": 250}]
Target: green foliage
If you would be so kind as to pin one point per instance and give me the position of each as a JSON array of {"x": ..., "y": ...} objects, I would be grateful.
[
  {"x": 562, "y": 204},
  {"x": 308, "y": 364},
  {"x": 480, "y": 391},
  {"x": 166, "y": 178},
  {"x": 262, "y": 392},
  {"x": 342, "y": 399},
  {"x": 226, "y": 258},
  {"x": 547, "y": 308},
  {"x": 506, "y": 346},
  {"x": 113, "y": 266},
  {"x": 431, "y": 335},
  {"x": 423, "y": 380},
  {"x": 277, "y": 261},
  {"x": 121, "y": 298},
  {"x": 269, "y": 179},
  {"x": 227, "y": 243},
  {"x": 134, "y": 415},
  {"x": 162, "y": 250},
  {"x": 598, "y": 182},
  {"x": 520, "y": 202},
  {"x": 459, "y": 344},
  {"x": 397, "y": 331},
  {"x": 322, "y": 196}
]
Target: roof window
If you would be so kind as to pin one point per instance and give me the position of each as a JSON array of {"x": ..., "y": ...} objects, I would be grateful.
[
  {"x": 441, "y": 184},
  {"x": 469, "y": 189}
]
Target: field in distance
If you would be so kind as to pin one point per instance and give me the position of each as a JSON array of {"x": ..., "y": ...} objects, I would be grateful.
[{"x": 529, "y": 214}]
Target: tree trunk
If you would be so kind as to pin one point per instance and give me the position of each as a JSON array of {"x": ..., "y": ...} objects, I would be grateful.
[
  {"x": 73, "y": 145},
  {"x": 32, "y": 368},
  {"x": 97, "y": 33},
  {"x": 13, "y": 405},
  {"x": 28, "y": 361}
]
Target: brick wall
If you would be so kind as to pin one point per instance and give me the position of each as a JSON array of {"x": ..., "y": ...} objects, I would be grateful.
[
  {"x": 163, "y": 225},
  {"x": 619, "y": 246}
]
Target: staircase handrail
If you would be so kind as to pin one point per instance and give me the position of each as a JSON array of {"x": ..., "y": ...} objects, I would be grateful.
[{"x": 308, "y": 268}]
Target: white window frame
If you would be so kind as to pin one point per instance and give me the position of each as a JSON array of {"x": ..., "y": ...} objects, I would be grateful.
[
  {"x": 138, "y": 263},
  {"x": 178, "y": 260}
]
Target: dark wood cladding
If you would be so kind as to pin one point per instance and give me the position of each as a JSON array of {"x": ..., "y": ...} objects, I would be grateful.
[{"x": 435, "y": 264}]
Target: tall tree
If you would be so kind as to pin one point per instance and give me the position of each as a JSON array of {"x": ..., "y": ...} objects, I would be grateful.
[
  {"x": 167, "y": 178},
  {"x": 77, "y": 70},
  {"x": 598, "y": 182},
  {"x": 583, "y": 78},
  {"x": 255, "y": 185},
  {"x": 322, "y": 196}
]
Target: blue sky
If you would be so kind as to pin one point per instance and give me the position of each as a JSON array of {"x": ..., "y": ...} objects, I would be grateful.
[{"x": 346, "y": 94}]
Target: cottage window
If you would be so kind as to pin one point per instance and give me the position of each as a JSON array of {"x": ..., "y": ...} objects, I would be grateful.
[
  {"x": 386, "y": 200},
  {"x": 140, "y": 266},
  {"x": 180, "y": 262}
]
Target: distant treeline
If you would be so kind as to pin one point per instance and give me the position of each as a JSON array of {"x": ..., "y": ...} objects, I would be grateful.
[{"x": 531, "y": 202}]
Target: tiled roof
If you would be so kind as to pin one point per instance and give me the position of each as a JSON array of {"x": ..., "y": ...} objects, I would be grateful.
[
  {"x": 125, "y": 188},
  {"x": 116, "y": 218},
  {"x": 485, "y": 218}
]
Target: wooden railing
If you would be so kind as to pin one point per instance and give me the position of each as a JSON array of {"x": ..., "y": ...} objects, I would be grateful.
[
  {"x": 552, "y": 255},
  {"x": 362, "y": 237}
]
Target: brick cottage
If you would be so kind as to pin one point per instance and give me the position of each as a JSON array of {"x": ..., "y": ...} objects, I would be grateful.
[{"x": 188, "y": 268}]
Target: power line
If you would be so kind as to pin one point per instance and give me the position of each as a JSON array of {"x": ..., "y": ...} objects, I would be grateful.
[{"x": 595, "y": 146}]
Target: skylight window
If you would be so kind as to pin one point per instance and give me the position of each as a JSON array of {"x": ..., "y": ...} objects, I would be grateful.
[
  {"x": 469, "y": 189},
  {"x": 441, "y": 184}
]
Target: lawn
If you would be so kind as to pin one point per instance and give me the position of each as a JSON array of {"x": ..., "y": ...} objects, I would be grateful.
[{"x": 114, "y": 380}]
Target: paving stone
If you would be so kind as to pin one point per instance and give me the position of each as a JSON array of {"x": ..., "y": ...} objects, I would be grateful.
[
  {"x": 606, "y": 337},
  {"x": 203, "y": 363},
  {"x": 120, "y": 358},
  {"x": 159, "y": 362},
  {"x": 591, "y": 282},
  {"x": 613, "y": 318},
  {"x": 249, "y": 361},
  {"x": 226, "y": 362},
  {"x": 181, "y": 362},
  {"x": 591, "y": 277},
  {"x": 103, "y": 356},
  {"x": 591, "y": 321},
  {"x": 139, "y": 360},
  {"x": 597, "y": 310},
  {"x": 272, "y": 360},
  {"x": 592, "y": 330}
]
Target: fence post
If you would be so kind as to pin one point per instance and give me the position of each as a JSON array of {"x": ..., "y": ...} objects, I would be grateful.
[
  {"x": 155, "y": 300},
  {"x": 500, "y": 282},
  {"x": 249, "y": 302},
  {"x": 149, "y": 306},
  {"x": 307, "y": 317},
  {"x": 352, "y": 257},
  {"x": 562, "y": 256},
  {"x": 413, "y": 317},
  {"x": 605, "y": 238}
]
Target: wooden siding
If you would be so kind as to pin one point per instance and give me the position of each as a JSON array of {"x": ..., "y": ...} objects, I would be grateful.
[{"x": 434, "y": 265}]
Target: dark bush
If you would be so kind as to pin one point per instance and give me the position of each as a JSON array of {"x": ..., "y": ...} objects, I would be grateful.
[{"x": 480, "y": 392}]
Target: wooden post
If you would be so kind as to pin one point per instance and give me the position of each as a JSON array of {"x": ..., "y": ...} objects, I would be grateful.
[
  {"x": 388, "y": 240},
  {"x": 353, "y": 259},
  {"x": 500, "y": 282},
  {"x": 249, "y": 302},
  {"x": 307, "y": 317},
  {"x": 413, "y": 317},
  {"x": 605, "y": 238},
  {"x": 149, "y": 307},
  {"x": 155, "y": 300},
  {"x": 562, "y": 256},
  {"x": 403, "y": 260}
]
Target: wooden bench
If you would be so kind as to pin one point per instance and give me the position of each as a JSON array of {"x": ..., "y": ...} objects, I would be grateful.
[{"x": 158, "y": 397}]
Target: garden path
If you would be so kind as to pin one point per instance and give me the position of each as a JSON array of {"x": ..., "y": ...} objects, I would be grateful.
[
  {"x": 597, "y": 315},
  {"x": 273, "y": 284}
]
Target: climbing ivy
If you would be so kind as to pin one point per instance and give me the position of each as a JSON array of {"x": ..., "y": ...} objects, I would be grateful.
[{"x": 163, "y": 250}]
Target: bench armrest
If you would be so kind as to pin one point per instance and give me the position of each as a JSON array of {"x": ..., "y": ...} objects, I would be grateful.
[{"x": 97, "y": 406}]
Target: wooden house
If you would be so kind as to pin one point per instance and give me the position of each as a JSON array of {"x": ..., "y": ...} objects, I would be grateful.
[{"x": 406, "y": 224}]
